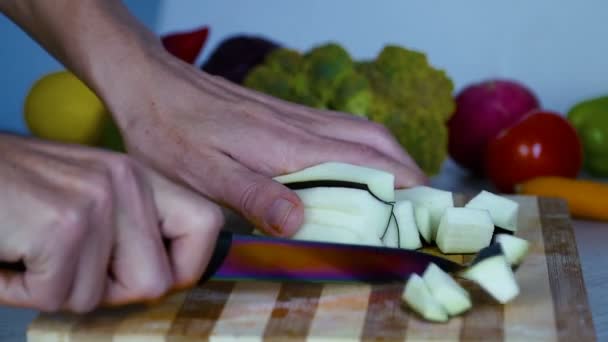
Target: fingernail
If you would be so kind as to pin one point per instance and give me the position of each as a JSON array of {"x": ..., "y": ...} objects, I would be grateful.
[{"x": 278, "y": 215}]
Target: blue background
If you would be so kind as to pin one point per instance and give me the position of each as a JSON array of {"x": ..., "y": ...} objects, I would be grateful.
[
  {"x": 23, "y": 61},
  {"x": 556, "y": 47}
]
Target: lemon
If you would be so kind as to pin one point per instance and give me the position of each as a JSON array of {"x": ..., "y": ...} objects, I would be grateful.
[{"x": 60, "y": 107}]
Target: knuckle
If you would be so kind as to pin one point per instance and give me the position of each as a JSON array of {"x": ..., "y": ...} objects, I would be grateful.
[
  {"x": 99, "y": 188},
  {"x": 121, "y": 166},
  {"x": 70, "y": 223}
]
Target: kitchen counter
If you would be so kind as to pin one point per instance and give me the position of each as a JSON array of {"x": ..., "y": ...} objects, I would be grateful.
[{"x": 591, "y": 239}]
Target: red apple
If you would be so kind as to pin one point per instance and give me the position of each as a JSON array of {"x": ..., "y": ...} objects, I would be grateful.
[{"x": 482, "y": 111}]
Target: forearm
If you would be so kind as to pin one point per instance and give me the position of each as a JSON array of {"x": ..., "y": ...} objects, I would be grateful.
[{"x": 98, "y": 40}]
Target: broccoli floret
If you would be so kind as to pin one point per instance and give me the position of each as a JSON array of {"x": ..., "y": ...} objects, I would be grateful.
[
  {"x": 270, "y": 81},
  {"x": 399, "y": 89},
  {"x": 352, "y": 95},
  {"x": 284, "y": 60},
  {"x": 326, "y": 66},
  {"x": 414, "y": 101}
]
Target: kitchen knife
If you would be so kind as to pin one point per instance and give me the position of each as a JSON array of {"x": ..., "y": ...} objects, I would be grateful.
[
  {"x": 241, "y": 257},
  {"x": 255, "y": 257}
]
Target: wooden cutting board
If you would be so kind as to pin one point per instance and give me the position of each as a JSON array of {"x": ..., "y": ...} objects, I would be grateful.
[{"x": 552, "y": 305}]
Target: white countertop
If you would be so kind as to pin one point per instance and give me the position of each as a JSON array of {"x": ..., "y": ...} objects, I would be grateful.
[{"x": 591, "y": 239}]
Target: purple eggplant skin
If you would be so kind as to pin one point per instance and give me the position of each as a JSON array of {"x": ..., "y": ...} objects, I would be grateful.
[{"x": 235, "y": 56}]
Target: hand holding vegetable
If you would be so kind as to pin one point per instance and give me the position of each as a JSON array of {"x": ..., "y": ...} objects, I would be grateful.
[
  {"x": 228, "y": 142},
  {"x": 89, "y": 226},
  {"x": 224, "y": 141}
]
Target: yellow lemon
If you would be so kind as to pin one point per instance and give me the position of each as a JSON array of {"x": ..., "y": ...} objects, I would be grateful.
[{"x": 62, "y": 108}]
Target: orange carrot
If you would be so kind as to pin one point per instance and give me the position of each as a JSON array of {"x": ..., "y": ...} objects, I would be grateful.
[{"x": 586, "y": 199}]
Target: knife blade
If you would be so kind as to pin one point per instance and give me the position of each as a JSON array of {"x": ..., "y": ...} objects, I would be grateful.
[
  {"x": 240, "y": 257},
  {"x": 254, "y": 257}
]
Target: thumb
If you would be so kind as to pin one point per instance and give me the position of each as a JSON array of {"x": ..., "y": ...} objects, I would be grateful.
[{"x": 269, "y": 205}]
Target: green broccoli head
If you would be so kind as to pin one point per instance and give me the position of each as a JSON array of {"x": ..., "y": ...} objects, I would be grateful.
[
  {"x": 284, "y": 60},
  {"x": 414, "y": 101},
  {"x": 423, "y": 134},
  {"x": 271, "y": 81},
  {"x": 399, "y": 89},
  {"x": 281, "y": 75},
  {"x": 406, "y": 77},
  {"x": 352, "y": 95},
  {"x": 326, "y": 66}
]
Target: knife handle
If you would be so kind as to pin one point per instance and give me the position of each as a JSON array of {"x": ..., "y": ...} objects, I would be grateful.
[
  {"x": 220, "y": 252},
  {"x": 222, "y": 247},
  {"x": 12, "y": 266}
]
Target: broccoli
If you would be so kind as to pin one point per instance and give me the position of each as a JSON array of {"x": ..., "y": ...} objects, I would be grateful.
[
  {"x": 326, "y": 66},
  {"x": 352, "y": 95},
  {"x": 399, "y": 89},
  {"x": 414, "y": 101},
  {"x": 271, "y": 81}
]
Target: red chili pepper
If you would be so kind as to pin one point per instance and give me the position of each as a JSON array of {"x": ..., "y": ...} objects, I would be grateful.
[{"x": 186, "y": 45}]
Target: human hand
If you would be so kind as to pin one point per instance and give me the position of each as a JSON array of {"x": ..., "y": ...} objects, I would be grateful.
[
  {"x": 228, "y": 142},
  {"x": 89, "y": 226}
]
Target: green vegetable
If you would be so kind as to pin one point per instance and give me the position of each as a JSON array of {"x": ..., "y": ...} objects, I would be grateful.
[
  {"x": 399, "y": 89},
  {"x": 590, "y": 118},
  {"x": 352, "y": 95},
  {"x": 414, "y": 100},
  {"x": 326, "y": 67}
]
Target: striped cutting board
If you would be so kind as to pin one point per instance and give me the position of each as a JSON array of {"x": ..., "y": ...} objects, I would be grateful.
[{"x": 552, "y": 305}]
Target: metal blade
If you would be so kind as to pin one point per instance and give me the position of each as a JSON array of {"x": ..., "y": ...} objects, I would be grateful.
[{"x": 253, "y": 257}]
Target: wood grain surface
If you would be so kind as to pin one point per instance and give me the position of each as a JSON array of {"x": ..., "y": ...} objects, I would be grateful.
[{"x": 552, "y": 306}]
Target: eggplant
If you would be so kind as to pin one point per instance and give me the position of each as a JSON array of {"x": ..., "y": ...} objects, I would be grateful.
[
  {"x": 333, "y": 174},
  {"x": 514, "y": 248},
  {"x": 504, "y": 211},
  {"x": 495, "y": 276},
  {"x": 453, "y": 297},
  {"x": 418, "y": 297},
  {"x": 435, "y": 200},
  {"x": 409, "y": 237}
]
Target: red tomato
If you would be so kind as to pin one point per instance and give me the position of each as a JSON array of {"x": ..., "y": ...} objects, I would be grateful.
[{"x": 540, "y": 144}]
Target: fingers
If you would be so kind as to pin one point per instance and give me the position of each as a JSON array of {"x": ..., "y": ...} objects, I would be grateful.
[
  {"x": 93, "y": 263},
  {"x": 268, "y": 205},
  {"x": 140, "y": 268},
  {"x": 372, "y": 134},
  {"x": 49, "y": 275},
  {"x": 328, "y": 149},
  {"x": 191, "y": 223}
]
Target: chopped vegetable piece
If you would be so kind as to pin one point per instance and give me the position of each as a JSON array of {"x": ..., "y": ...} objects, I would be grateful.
[
  {"x": 464, "y": 230},
  {"x": 495, "y": 276},
  {"x": 503, "y": 211},
  {"x": 391, "y": 236},
  {"x": 373, "y": 214},
  {"x": 379, "y": 183},
  {"x": 454, "y": 299},
  {"x": 513, "y": 247},
  {"x": 406, "y": 223},
  {"x": 314, "y": 232},
  {"x": 419, "y": 298},
  {"x": 435, "y": 200},
  {"x": 423, "y": 222}
]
